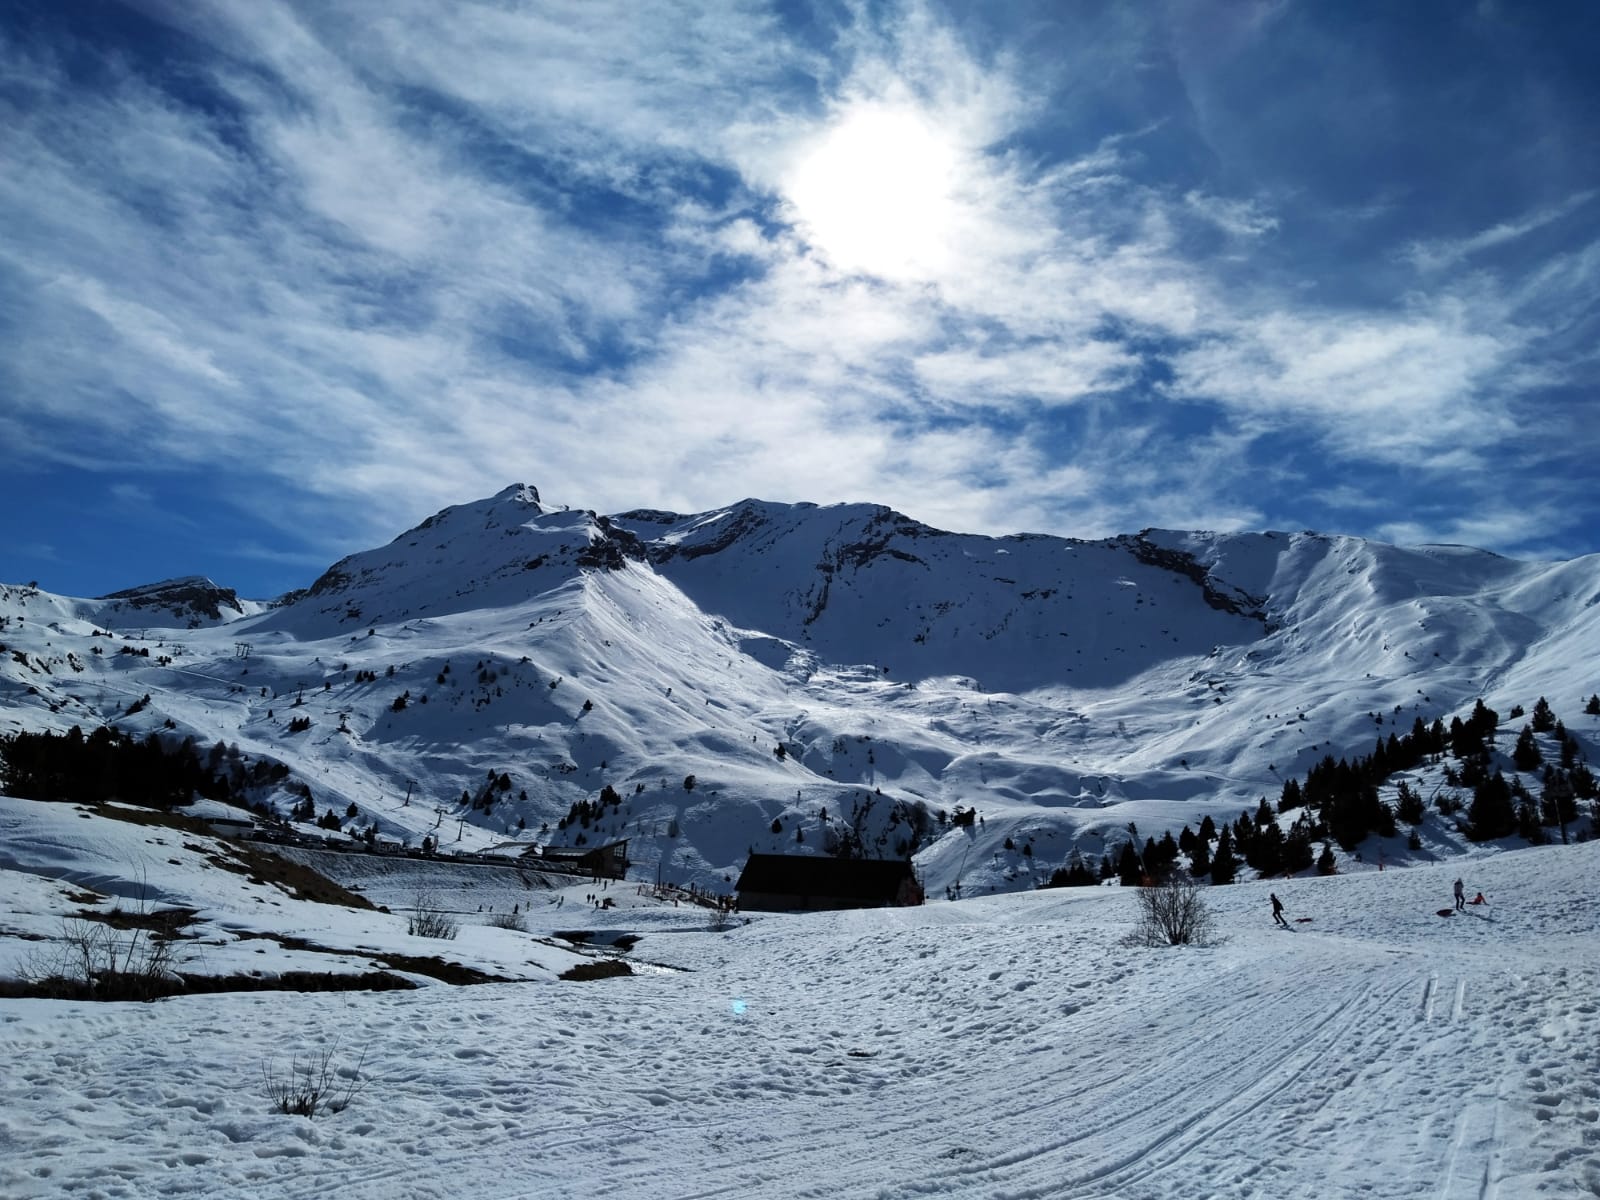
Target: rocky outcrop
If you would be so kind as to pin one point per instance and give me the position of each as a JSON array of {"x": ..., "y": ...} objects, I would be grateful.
[{"x": 190, "y": 599}]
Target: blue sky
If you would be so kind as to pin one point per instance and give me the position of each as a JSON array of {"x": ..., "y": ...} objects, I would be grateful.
[{"x": 277, "y": 279}]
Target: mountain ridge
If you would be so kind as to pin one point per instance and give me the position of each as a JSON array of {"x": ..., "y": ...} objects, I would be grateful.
[{"x": 798, "y": 660}]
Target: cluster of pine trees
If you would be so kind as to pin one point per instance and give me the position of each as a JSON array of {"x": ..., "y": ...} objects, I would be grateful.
[
  {"x": 1215, "y": 852},
  {"x": 108, "y": 764},
  {"x": 585, "y": 813},
  {"x": 1500, "y": 807},
  {"x": 1339, "y": 801},
  {"x": 1344, "y": 795}
]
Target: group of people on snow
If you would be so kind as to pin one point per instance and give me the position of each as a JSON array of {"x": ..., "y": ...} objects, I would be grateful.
[
  {"x": 1461, "y": 898},
  {"x": 1460, "y": 895}
]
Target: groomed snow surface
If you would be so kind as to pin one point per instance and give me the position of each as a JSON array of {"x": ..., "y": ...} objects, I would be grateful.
[{"x": 1007, "y": 1046}]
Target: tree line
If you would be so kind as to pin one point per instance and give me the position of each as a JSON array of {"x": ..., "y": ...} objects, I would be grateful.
[{"x": 107, "y": 764}]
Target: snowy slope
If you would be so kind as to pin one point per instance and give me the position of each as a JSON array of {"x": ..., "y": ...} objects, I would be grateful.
[
  {"x": 831, "y": 669},
  {"x": 1005, "y": 1046},
  {"x": 58, "y": 861}
]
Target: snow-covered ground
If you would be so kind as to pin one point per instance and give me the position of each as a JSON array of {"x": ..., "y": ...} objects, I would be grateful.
[{"x": 1006, "y": 1046}]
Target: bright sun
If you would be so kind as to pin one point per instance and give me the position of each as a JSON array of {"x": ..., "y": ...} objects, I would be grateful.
[{"x": 875, "y": 194}]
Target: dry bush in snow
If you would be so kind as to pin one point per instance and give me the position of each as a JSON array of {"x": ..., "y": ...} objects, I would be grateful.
[
  {"x": 429, "y": 919},
  {"x": 93, "y": 961},
  {"x": 312, "y": 1084},
  {"x": 1174, "y": 913}
]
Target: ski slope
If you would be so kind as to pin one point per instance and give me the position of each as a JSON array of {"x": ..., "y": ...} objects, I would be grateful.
[{"x": 1006, "y": 1046}]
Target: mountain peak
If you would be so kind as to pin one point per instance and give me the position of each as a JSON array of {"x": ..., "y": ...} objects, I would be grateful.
[
  {"x": 521, "y": 493},
  {"x": 189, "y": 597}
]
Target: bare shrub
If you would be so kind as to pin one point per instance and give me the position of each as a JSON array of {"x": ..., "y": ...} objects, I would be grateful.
[
  {"x": 312, "y": 1084},
  {"x": 94, "y": 961},
  {"x": 1174, "y": 913},
  {"x": 429, "y": 919},
  {"x": 124, "y": 954},
  {"x": 508, "y": 920}
]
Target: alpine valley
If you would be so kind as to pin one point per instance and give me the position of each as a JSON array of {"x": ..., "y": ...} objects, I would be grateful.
[{"x": 804, "y": 679}]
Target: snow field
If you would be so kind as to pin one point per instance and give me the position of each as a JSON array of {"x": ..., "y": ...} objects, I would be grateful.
[{"x": 1010, "y": 1046}]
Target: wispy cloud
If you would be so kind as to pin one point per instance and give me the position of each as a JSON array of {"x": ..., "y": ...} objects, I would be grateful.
[
  {"x": 1438, "y": 254},
  {"x": 1242, "y": 218},
  {"x": 1394, "y": 386},
  {"x": 367, "y": 265}
]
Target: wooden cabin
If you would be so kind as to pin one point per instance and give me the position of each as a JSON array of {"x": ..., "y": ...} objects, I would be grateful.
[
  {"x": 598, "y": 862},
  {"x": 808, "y": 883}
]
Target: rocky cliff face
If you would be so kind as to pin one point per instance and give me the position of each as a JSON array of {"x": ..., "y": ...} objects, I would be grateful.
[{"x": 192, "y": 600}]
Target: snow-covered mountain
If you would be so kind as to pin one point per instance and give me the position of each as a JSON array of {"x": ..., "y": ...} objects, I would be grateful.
[{"x": 820, "y": 672}]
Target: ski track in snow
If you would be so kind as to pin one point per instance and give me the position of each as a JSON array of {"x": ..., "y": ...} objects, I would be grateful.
[{"x": 1009, "y": 1047}]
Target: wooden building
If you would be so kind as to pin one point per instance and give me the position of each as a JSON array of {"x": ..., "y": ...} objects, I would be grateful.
[
  {"x": 237, "y": 828},
  {"x": 807, "y": 883},
  {"x": 598, "y": 862}
]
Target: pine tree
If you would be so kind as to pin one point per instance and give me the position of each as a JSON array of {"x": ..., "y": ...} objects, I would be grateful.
[
  {"x": 1167, "y": 851},
  {"x": 1355, "y": 811},
  {"x": 1543, "y": 719},
  {"x": 1583, "y": 781},
  {"x": 1409, "y": 803},
  {"x": 1297, "y": 855},
  {"x": 1526, "y": 754},
  {"x": 1291, "y": 798},
  {"x": 1130, "y": 871},
  {"x": 1265, "y": 852},
  {"x": 1528, "y": 824},
  {"x": 1491, "y": 814},
  {"x": 1558, "y": 801},
  {"x": 1075, "y": 874},
  {"x": 1224, "y": 866},
  {"x": 1484, "y": 719}
]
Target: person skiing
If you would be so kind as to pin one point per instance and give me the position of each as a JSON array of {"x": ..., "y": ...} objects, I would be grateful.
[
  {"x": 1277, "y": 910},
  {"x": 1461, "y": 896}
]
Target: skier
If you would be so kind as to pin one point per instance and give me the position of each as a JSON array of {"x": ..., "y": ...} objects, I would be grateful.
[
  {"x": 1461, "y": 896},
  {"x": 1277, "y": 910}
]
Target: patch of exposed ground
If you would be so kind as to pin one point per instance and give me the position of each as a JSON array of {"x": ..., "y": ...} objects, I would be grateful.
[{"x": 433, "y": 966}]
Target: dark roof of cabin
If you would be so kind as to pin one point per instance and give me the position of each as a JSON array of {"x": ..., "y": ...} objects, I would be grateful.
[
  {"x": 577, "y": 852},
  {"x": 812, "y": 875}
]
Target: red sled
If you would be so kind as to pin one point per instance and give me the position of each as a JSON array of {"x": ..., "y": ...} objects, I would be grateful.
[
  {"x": 1447, "y": 912},
  {"x": 1301, "y": 920}
]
